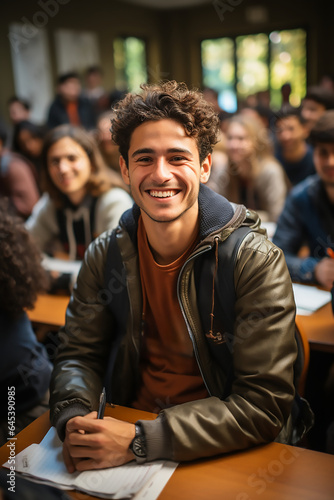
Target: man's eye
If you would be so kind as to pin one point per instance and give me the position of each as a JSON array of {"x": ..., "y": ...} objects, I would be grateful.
[
  {"x": 71, "y": 158},
  {"x": 177, "y": 158},
  {"x": 144, "y": 159}
]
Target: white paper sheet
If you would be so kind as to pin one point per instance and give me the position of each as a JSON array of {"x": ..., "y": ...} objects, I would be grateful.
[
  {"x": 44, "y": 462},
  {"x": 309, "y": 298}
]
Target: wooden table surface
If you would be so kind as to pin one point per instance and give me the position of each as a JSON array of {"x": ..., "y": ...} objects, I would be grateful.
[
  {"x": 319, "y": 329},
  {"x": 269, "y": 472},
  {"x": 49, "y": 310}
]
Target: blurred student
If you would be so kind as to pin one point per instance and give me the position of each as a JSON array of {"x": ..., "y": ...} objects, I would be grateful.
[
  {"x": 18, "y": 109},
  {"x": 24, "y": 368},
  {"x": 318, "y": 99},
  {"x": 252, "y": 176},
  {"x": 94, "y": 90},
  {"x": 18, "y": 182},
  {"x": 292, "y": 150},
  {"x": 69, "y": 105},
  {"x": 28, "y": 141},
  {"x": 83, "y": 197},
  {"x": 108, "y": 149},
  {"x": 308, "y": 215}
]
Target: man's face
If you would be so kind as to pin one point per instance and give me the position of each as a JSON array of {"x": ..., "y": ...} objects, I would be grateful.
[
  {"x": 17, "y": 112},
  {"x": 323, "y": 157},
  {"x": 290, "y": 132},
  {"x": 164, "y": 171},
  {"x": 311, "y": 112},
  {"x": 70, "y": 89}
]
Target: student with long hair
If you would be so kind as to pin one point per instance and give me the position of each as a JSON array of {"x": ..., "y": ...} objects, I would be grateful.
[
  {"x": 82, "y": 198},
  {"x": 252, "y": 175}
]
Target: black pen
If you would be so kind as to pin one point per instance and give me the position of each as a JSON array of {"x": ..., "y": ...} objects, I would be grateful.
[{"x": 102, "y": 404}]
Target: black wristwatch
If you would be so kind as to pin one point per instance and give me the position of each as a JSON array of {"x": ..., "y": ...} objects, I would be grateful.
[{"x": 138, "y": 444}]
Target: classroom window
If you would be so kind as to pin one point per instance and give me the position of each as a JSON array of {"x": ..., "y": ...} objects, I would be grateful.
[
  {"x": 249, "y": 65},
  {"x": 130, "y": 63}
]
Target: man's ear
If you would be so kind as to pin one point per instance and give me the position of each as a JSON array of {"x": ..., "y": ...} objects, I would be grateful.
[
  {"x": 206, "y": 169},
  {"x": 124, "y": 170}
]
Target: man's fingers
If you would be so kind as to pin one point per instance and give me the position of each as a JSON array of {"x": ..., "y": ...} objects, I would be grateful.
[
  {"x": 68, "y": 460},
  {"x": 87, "y": 423}
]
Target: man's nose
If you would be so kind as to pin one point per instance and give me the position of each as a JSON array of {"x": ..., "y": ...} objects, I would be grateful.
[{"x": 161, "y": 171}]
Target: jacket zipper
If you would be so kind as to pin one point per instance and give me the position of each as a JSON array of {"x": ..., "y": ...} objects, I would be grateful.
[{"x": 190, "y": 332}]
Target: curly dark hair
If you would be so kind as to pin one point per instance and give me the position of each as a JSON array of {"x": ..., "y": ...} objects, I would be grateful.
[
  {"x": 323, "y": 130},
  {"x": 166, "y": 100},
  {"x": 21, "y": 275}
]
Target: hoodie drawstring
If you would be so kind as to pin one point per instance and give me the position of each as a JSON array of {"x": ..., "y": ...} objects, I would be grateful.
[{"x": 218, "y": 338}]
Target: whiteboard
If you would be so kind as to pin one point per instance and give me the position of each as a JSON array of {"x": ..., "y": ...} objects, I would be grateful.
[
  {"x": 76, "y": 50},
  {"x": 31, "y": 69}
]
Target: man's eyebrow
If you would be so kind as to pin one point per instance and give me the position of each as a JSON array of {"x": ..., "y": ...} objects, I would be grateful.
[
  {"x": 152, "y": 151},
  {"x": 142, "y": 151}
]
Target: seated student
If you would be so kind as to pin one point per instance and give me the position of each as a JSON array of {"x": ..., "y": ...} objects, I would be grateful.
[
  {"x": 308, "y": 215},
  {"x": 108, "y": 148},
  {"x": 83, "y": 197},
  {"x": 292, "y": 150},
  {"x": 28, "y": 141},
  {"x": 145, "y": 316},
  {"x": 69, "y": 105},
  {"x": 252, "y": 175},
  {"x": 18, "y": 181},
  {"x": 94, "y": 90},
  {"x": 317, "y": 100},
  {"x": 24, "y": 368}
]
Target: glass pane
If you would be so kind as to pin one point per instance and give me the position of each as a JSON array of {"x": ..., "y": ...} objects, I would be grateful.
[
  {"x": 130, "y": 63},
  {"x": 288, "y": 65},
  {"x": 219, "y": 71},
  {"x": 252, "y": 65},
  {"x": 136, "y": 63}
]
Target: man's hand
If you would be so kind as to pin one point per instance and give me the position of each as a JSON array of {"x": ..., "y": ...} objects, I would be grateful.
[
  {"x": 96, "y": 444},
  {"x": 324, "y": 272}
]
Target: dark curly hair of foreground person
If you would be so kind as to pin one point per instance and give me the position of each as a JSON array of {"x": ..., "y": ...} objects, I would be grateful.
[
  {"x": 21, "y": 275},
  {"x": 167, "y": 100}
]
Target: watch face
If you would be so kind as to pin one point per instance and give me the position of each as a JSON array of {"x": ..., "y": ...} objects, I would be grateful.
[{"x": 138, "y": 447}]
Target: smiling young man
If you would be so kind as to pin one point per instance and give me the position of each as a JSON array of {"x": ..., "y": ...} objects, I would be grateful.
[{"x": 149, "y": 315}]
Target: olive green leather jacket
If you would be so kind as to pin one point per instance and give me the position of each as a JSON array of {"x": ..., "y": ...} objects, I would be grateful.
[{"x": 248, "y": 372}]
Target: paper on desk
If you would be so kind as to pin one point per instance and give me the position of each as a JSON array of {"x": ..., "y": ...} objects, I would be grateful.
[
  {"x": 309, "y": 298},
  {"x": 61, "y": 265},
  {"x": 43, "y": 462}
]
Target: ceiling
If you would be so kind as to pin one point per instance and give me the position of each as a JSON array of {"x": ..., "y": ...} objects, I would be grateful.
[{"x": 168, "y": 4}]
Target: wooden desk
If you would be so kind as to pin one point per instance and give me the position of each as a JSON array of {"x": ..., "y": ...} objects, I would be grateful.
[
  {"x": 49, "y": 310},
  {"x": 319, "y": 329},
  {"x": 270, "y": 472}
]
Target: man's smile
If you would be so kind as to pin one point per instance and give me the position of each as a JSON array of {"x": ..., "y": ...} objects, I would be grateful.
[{"x": 155, "y": 193}]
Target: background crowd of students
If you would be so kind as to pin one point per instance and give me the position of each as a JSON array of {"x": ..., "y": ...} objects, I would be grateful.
[{"x": 62, "y": 178}]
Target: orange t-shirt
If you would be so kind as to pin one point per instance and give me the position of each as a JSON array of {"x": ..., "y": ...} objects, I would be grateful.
[
  {"x": 169, "y": 371},
  {"x": 73, "y": 112}
]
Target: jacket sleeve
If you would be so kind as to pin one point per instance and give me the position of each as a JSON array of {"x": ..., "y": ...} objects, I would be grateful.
[
  {"x": 289, "y": 236},
  {"x": 263, "y": 352},
  {"x": 85, "y": 341}
]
